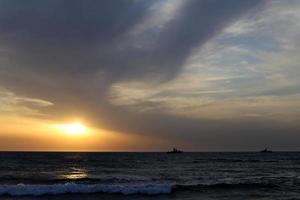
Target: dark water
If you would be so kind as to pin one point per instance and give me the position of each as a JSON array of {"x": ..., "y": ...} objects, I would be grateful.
[{"x": 150, "y": 176}]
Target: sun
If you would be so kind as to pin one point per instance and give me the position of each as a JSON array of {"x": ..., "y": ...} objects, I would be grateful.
[{"x": 74, "y": 129}]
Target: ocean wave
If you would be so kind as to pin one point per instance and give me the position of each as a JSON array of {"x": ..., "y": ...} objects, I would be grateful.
[
  {"x": 125, "y": 189},
  {"x": 62, "y": 179},
  {"x": 69, "y": 188},
  {"x": 195, "y": 187},
  {"x": 118, "y": 178}
]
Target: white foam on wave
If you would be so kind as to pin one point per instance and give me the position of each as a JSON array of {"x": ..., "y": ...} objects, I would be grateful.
[{"x": 69, "y": 188}]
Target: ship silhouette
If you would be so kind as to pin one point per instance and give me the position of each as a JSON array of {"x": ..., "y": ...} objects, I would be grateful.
[
  {"x": 266, "y": 151},
  {"x": 175, "y": 151}
]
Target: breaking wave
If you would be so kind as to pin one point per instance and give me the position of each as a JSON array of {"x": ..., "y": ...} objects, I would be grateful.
[
  {"x": 69, "y": 188},
  {"x": 125, "y": 189}
]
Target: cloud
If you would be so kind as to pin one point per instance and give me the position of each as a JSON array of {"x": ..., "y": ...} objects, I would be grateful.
[
  {"x": 239, "y": 63},
  {"x": 169, "y": 69},
  {"x": 84, "y": 46},
  {"x": 11, "y": 104}
]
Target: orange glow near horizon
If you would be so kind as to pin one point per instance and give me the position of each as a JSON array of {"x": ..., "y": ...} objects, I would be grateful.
[{"x": 29, "y": 134}]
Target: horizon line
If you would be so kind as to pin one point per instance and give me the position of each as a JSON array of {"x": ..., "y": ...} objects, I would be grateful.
[{"x": 78, "y": 151}]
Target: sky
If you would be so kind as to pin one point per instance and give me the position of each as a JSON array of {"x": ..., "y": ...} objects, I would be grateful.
[{"x": 149, "y": 75}]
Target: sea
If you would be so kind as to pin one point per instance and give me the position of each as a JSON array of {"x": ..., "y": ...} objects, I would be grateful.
[{"x": 149, "y": 176}]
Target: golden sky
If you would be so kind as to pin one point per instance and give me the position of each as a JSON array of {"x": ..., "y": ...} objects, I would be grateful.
[{"x": 20, "y": 134}]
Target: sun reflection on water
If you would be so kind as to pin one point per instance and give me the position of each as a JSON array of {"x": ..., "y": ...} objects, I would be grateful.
[{"x": 75, "y": 173}]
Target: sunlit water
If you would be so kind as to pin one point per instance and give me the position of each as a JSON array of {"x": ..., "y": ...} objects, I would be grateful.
[{"x": 149, "y": 176}]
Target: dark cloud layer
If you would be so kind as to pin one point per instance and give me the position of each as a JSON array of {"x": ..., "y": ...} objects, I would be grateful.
[
  {"x": 83, "y": 37},
  {"x": 70, "y": 52}
]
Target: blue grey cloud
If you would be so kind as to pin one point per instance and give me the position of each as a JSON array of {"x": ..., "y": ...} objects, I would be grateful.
[{"x": 70, "y": 53}]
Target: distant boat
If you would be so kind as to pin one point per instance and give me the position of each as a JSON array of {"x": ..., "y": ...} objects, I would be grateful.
[
  {"x": 175, "y": 151},
  {"x": 266, "y": 151}
]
